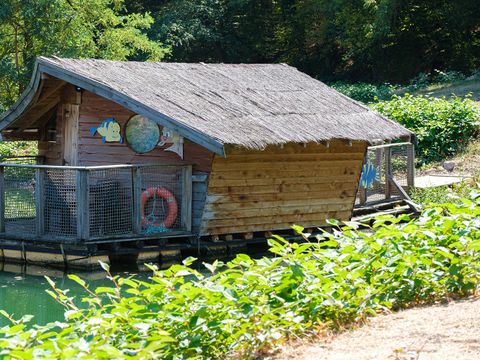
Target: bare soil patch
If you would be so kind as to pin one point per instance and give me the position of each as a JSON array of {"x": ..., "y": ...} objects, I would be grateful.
[{"x": 450, "y": 331}]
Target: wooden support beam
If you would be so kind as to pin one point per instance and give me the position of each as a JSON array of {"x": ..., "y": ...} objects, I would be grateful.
[
  {"x": 137, "y": 199},
  {"x": 408, "y": 200},
  {"x": 388, "y": 172},
  {"x": 83, "y": 221},
  {"x": 2, "y": 199},
  {"x": 35, "y": 115},
  {"x": 186, "y": 210},
  {"x": 40, "y": 201},
  {"x": 410, "y": 166}
]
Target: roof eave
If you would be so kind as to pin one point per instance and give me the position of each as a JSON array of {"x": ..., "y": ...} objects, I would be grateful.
[{"x": 43, "y": 66}]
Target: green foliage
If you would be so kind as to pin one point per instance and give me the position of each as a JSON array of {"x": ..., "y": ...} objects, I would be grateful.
[
  {"x": 68, "y": 28},
  {"x": 366, "y": 93},
  {"x": 246, "y": 305},
  {"x": 18, "y": 148},
  {"x": 383, "y": 40},
  {"x": 443, "y": 127}
]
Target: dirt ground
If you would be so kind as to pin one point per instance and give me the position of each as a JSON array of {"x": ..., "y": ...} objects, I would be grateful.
[{"x": 450, "y": 331}]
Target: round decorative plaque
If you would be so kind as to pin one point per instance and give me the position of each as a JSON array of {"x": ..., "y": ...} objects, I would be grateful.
[{"x": 142, "y": 134}]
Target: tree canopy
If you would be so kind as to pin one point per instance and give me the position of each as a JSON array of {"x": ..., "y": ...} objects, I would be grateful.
[
  {"x": 68, "y": 28},
  {"x": 368, "y": 40}
]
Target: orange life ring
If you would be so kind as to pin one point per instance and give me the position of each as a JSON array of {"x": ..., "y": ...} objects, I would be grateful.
[{"x": 168, "y": 197}]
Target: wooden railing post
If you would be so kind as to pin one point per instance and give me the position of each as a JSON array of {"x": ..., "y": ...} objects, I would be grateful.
[
  {"x": 362, "y": 191},
  {"x": 83, "y": 208},
  {"x": 2, "y": 199},
  {"x": 186, "y": 215},
  {"x": 137, "y": 199},
  {"x": 40, "y": 201},
  {"x": 410, "y": 166},
  {"x": 388, "y": 172}
]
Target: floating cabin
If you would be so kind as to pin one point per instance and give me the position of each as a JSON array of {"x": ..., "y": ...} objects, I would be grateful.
[{"x": 137, "y": 158}]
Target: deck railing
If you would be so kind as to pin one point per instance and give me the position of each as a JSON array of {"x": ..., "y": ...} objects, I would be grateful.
[
  {"x": 83, "y": 204},
  {"x": 392, "y": 176}
]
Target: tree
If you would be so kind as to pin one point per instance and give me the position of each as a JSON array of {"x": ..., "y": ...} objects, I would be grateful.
[{"x": 68, "y": 28}]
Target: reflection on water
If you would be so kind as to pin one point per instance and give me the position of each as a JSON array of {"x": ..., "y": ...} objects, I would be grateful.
[
  {"x": 22, "y": 291},
  {"x": 22, "y": 288}
]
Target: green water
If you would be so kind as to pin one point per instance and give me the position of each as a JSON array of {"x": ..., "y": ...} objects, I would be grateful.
[{"x": 22, "y": 291}]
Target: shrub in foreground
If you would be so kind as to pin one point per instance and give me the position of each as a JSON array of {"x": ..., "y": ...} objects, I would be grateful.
[
  {"x": 246, "y": 305},
  {"x": 443, "y": 127}
]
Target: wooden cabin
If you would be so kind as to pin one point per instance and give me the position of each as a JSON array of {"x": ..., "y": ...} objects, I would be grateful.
[{"x": 145, "y": 151}]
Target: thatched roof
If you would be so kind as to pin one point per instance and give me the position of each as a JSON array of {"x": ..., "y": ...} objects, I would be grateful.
[{"x": 217, "y": 104}]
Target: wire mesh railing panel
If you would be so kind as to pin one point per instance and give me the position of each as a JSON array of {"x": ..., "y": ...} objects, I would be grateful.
[
  {"x": 162, "y": 197},
  {"x": 399, "y": 164},
  {"x": 60, "y": 203},
  {"x": 382, "y": 163},
  {"x": 19, "y": 192},
  {"x": 82, "y": 204},
  {"x": 375, "y": 185},
  {"x": 110, "y": 202}
]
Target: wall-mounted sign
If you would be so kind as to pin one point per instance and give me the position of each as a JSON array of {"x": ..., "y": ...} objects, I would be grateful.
[
  {"x": 369, "y": 175},
  {"x": 109, "y": 129},
  {"x": 142, "y": 134},
  {"x": 172, "y": 138}
]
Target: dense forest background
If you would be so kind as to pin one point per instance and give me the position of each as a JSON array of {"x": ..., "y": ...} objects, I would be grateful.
[{"x": 355, "y": 40}]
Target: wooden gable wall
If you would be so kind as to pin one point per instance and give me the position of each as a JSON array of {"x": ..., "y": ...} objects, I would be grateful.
[{"x": 275, "y": 188}]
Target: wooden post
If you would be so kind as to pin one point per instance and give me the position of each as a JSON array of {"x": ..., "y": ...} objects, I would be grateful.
[
  {"x": 83, "y": 220},
  {"x": 410, "y": 166},
  {"x": 2, "y": 199},
  {"x": 388, "y": 172},
  {"x": 362, "y": 191},
  {"x": 186, "y": 217},
  {"x": 40, "y": 201},
  {"x": 137, "y": 199}
]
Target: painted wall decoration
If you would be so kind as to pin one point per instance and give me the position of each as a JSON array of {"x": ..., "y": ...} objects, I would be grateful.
[
  {"x": 369, "y": 175},
  {"x": 142, "y": 134},
  {"x": 109, "y": 129},
  {"x": 171, "y": 137}
]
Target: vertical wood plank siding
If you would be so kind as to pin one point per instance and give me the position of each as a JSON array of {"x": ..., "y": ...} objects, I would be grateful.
[{"x": 277, "y": 187}]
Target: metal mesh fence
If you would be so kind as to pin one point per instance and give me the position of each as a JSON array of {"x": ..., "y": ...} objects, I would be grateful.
[
  {"x": 95, "y": 203},
  {"x": 110, "y": 202},
  {"x": 162, "y": 191},
  {"x": 395, "y": 158},
  {"x": 60, "y": 218},
  {"x": 19, "y": 195}
]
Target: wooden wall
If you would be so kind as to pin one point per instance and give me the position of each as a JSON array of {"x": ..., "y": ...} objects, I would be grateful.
[
  {"x": 275, "y": 188},
  {"x": 52, "y": 151},
  {"x": 91, "y": 151}
]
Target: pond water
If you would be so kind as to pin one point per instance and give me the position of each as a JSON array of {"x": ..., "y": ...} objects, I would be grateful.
[{"x": 22, "y": 291}]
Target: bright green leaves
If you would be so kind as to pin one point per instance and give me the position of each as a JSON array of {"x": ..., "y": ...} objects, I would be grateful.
[
  {"x": 246, "y": 304},
  {"x": 443, "y": 127},
  {"x": 68, "y": 28}
]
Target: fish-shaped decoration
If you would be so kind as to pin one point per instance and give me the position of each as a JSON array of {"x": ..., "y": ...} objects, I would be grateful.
[
  {"x": 110, "y": 131},
  {"x": 369, "y": 175},
  {"x": 171, "y": 137}
]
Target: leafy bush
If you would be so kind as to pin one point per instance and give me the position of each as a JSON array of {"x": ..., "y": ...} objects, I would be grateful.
[
  {"x": 364, "y": 92},
  {"x": 246, "y": 304},
  {"x": 443, "y": 127},
  {"x": 18, "y": 148}
]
